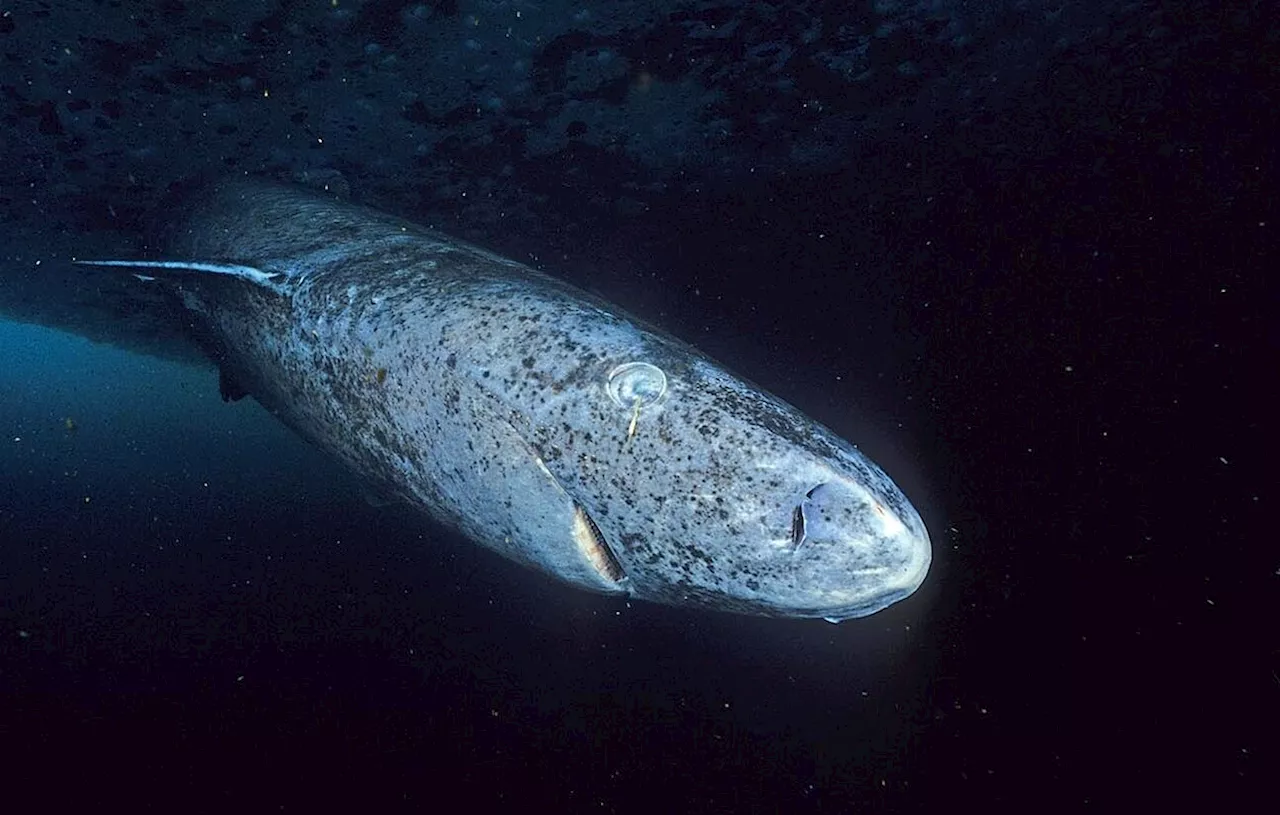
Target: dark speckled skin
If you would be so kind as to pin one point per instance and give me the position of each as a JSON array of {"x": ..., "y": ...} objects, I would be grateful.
[{"x": 477, "y": 389}]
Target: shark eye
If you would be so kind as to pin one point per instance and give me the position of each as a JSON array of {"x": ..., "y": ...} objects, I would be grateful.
[{"x": 636, "y": 384}]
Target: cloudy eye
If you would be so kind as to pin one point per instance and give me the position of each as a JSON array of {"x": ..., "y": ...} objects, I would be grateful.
[{"x": 636, "y": 384}]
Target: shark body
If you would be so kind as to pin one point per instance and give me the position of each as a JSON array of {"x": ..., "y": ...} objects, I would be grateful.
[{"x": 537, "y": 419}]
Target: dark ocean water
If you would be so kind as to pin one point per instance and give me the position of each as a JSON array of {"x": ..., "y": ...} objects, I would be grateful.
[{"x": 1050, "y": 317}]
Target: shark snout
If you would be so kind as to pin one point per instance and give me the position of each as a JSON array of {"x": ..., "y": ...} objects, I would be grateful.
[{"x": 855, "y": 551}]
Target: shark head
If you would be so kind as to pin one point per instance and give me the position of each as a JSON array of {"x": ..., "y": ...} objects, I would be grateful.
[{"x": 651, "y": 470}]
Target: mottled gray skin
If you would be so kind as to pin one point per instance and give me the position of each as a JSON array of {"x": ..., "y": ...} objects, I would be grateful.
[{"x": 478, "y": 389}]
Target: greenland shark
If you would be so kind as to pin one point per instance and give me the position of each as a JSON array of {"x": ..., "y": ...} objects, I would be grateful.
[{"x": 537, "y": 419}]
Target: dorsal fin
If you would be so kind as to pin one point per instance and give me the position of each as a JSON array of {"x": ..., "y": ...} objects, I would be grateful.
[{"x": 253, "y": 274}]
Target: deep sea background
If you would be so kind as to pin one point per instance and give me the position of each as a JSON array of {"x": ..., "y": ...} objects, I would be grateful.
[{"x": 1022, "y": 253}]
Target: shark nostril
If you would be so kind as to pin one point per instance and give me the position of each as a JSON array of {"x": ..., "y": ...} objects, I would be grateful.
[
  {"x": 802, "y": 516},
  {"x": 799, "y": 521},
  {"x": 797, "y": 527}
]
